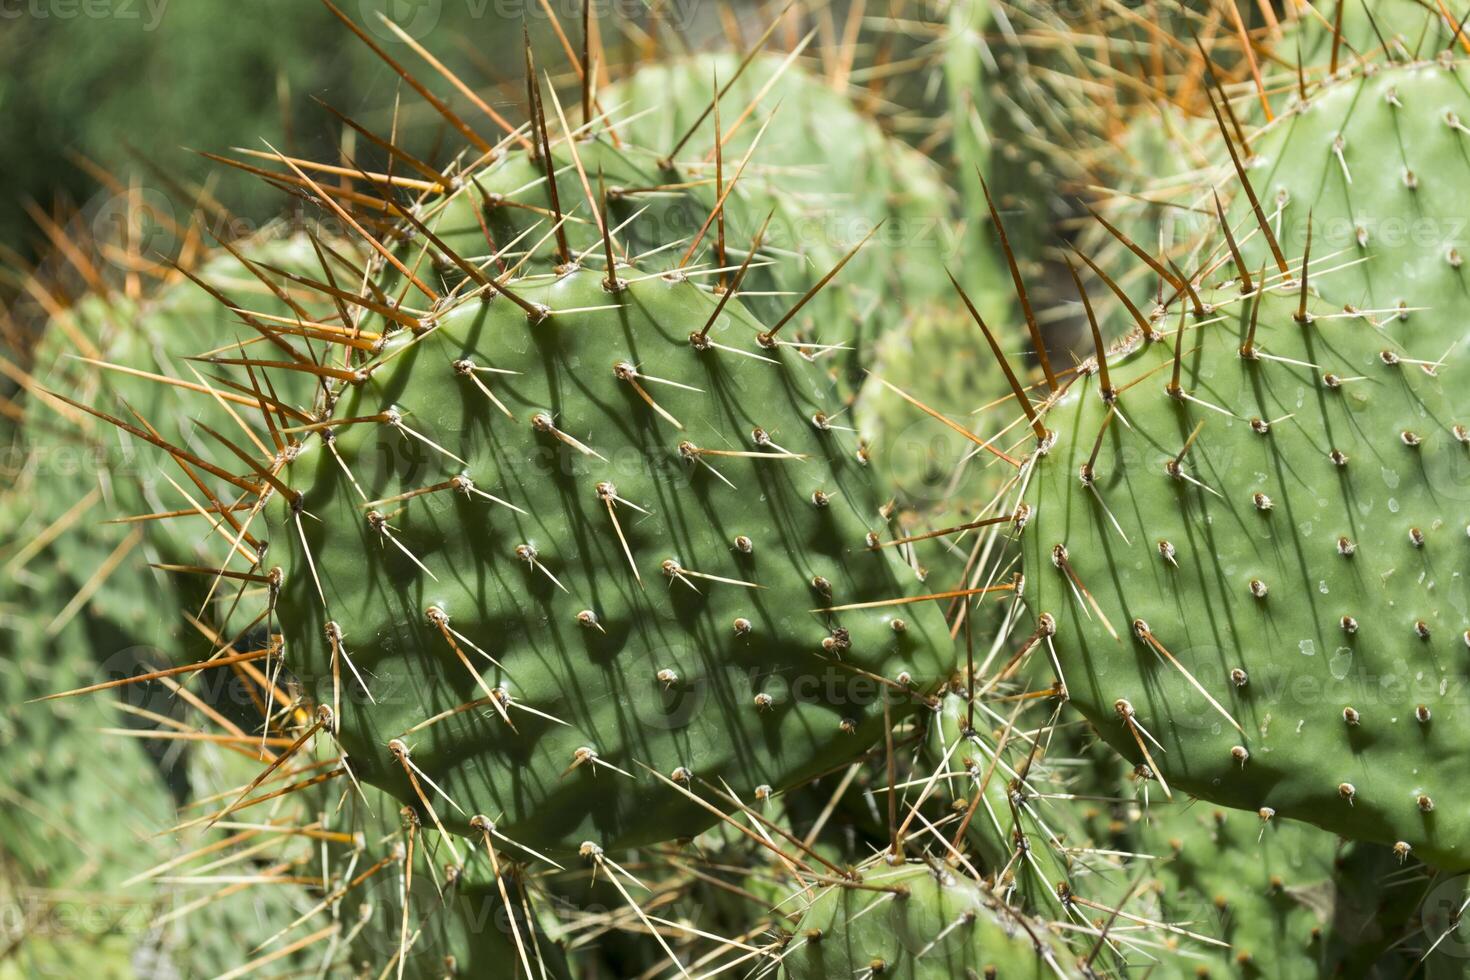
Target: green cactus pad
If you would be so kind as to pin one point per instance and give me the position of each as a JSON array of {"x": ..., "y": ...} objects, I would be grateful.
[
  {"x": 1286, "y": 899},
  {"x": 1016, "y": 836},
  {"x": 658, "y": 597},
  {"x": 1298, "y": 571},
  {"x": 827, "y": 169},
  {"x": 824, "y": 174},
  {"x": 915, "y": 922},
  {"x": 1376, "y": 163}
]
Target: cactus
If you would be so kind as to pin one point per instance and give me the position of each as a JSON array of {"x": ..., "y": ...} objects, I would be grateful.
[
  {"x": 1282, "y": 899},
  {"x": 918, "y": 921},
  {"x": 1373, "y": 162},
  {"x": 577, "y": 531},
  {"x": 1217, "y": 575},
  {"x": 458, "y": 922},
  {"x": 70, "y": 824},
  {"x": 813, "y": 181},
  {"x": 681, "y": 592},
  {"x": 630, "y": 572},
  {"x": 684, "y": 525},
  {"x": 1016, "y": 835},
  {"x": 827, "y": 170}
]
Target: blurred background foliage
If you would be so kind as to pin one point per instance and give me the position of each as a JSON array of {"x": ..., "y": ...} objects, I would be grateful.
[{"x": 120, "y": 80}]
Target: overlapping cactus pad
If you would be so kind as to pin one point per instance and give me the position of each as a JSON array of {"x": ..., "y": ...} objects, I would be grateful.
[
  {"x": 1266, "y": 897},
  {"x": 1248, "y": 557},
  {"x": 1375, "y": 164},
  {"x": 916, "y": 921},
  {"x": 542, "y": 553}
]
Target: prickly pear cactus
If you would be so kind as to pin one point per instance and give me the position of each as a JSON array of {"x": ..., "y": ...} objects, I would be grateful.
[
  {"x": 938, "y": 358},
  {"x": 1247, "y": 556},
  {"x": 829, "y": 172},
  {"x": 77, "y": 810},
  {"x": 1266, "y": 897},
  {"x": 916, "y": 921},
  {"x": 541, "y": 554},
  {"x": 1374, "y": 164},
  {"x": 799, "y": 167},
  {"x": 1017, "y": 837}
]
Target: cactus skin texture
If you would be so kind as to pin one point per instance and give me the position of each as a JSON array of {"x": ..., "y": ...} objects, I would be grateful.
[
  {"x": 72, "y": 826},
  {"x": 825, "y": 174},
  {"x": 597, "y": 584},
  {"x": 1376, "y": 164},
  {"x": 458, "y": 923},
  {"x": 1010, "y": 828},
  {"x": 1289, "y": 900},
  {"x": 826, "y": 169},
  {"x": 916, "y": 922},
  {"x": 1296, "y": 571}
]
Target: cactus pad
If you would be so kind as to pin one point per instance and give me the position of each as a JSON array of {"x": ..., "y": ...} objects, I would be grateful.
[
  {"x": 1376, "y": 164},
  {"x": 579, "y": 546},
  {"x": 1253, "y": 578},
  {"x": 914, "y": 922}
]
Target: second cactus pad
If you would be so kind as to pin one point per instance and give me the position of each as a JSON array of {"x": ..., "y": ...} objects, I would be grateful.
[
  {"x": 559, "y": 570},
  {"x": 1375, "y": 164},
  {"x": 1249, "y": 558},
  {"x": 914, "y": 922}
]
